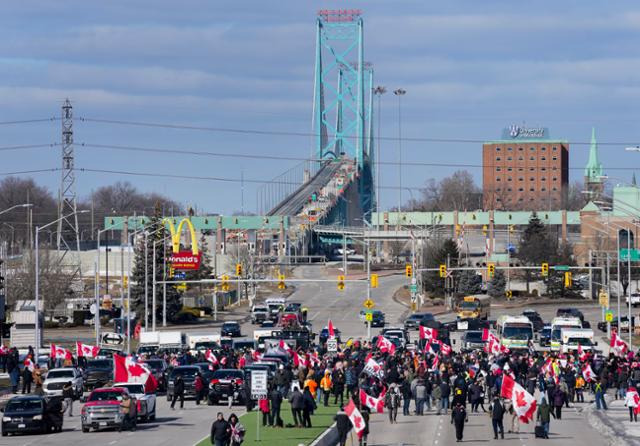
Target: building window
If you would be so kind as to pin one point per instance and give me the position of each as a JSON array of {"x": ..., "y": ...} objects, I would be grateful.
[
  {"x": 520, "y": 199},
  {"x": 510, "y": 169},
  {"x": 498, "y": 189},
  {"x": 498, "y": 169},
  {"x": 555, "y": 158},
  {"x": 532, "y": 189},
  {"x": 509, "y": 158},
  {"x": 521, "y": 179},
  {"x": 554, "y": 189},
  {"x": 520, "y": 149},
  {"x": 510, "y": 149},
  {"x": 498, "y": 179},
  {"x": 544, "y": 149},
  {"x": 498, "y": 149},
  {"x": 532, "y": 179},
  {"x": 498, "y": 200},
  {"x": 520, "y": 158},
  {"x": 543, "y": 178},
  {"x": 508, "y": 178},
  {"x": 555, "y": 149},
  {"x": 544, "y": 189},
  {"x": 543, "y": 169},
  {"x": 543, "y": 158},
  {"x": 532, "y": 158},
  {"x": 520, "y": 169},
  {"x": 555, "y": 178},
  {"x": 508, "y": 189},
  {"x": 554, "y": 168},
  {"x": 520, "y": 189},
  {"x": 497, "y": 158}
]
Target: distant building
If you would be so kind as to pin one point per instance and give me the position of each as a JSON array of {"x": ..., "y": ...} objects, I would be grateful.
[
  {"x": 593, "y": 177},
  {"x": 525, "y": 170}
]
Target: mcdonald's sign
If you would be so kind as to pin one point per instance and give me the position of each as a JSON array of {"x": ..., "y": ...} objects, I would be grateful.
[{"x": 183, "y": 260}]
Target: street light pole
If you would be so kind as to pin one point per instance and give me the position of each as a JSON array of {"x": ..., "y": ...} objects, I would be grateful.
[
  {"x": 378, "y": 91},
  {"x": 399, "y": 93}
]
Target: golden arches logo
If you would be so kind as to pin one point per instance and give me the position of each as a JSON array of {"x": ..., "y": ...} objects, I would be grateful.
[{"x": 175, "y": 235}]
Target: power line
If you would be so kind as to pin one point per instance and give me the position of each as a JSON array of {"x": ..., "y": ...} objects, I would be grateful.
[
  {"x": 309, "y": 134},
  {"x": 29, "y": 121},
  {"x": 23, "y": 172},
  {"x": 28, "y": 146},
  {"x": 291, "y": 158}
]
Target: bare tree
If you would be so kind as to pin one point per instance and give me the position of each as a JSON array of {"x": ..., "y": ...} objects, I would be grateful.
[
  {"x": 456, "y": 192},
  {"x": 124, "y": 198}
]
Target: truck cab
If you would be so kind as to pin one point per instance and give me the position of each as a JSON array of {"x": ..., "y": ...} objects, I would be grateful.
[
  {"x": 557, "y": 325},
  {"x": 572, "y": 337},
  {"x": 146, "y": 401},
  {"x": 102, "y": 409},
  {"x": 57, "y": 378}
]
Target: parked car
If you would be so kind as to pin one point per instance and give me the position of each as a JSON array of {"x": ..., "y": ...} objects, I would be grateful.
[
  {"x": 544, "y": 338},
  {"x": 570, "y": 312},
  {"x": 57, "y": 378},
  {"x": 97, "y": 373},
  {"x": 259, "y": 314},
  {"x": 413, "y": 321},
  {"x": 225, "y": 384},
  {"x": 624, "y": 324},
  {"x": 472, "y": 340},
  {"x": 377, "y": 318},
  {"x": 32, "y": 414},
  {"x": 146, "y": 402},
  {"x": 231, "y": 329},
  {"x": 102, "y": 409}
]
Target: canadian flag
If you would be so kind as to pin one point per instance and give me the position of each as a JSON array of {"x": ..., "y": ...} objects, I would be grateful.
[
  {"x": 60, "y": 352},
  {"x": 298, "y": 361},
  {"x": 4, "y": 349},
  {"x": 428, "y": 333},
  {"x": 313, "y": 359},
  {"x": 284, "y": 346},
  {"x": 210, "y": 357},
  {"x": 386, "y": 346},
  {"x": 618, "y": 346},
  {"x": 127, "y": 370},
  {"x": 332, "y": 332},
  {"x": 355, "y": 417},
  {"x": 445, "y": 349},
  {"x": 582, "y": 355},
  {"x": 435, "y": 363},
  {"x": 256, "y": 355},
  {"x": 372, "y": 368},
  {"x": 86, "y": 351},
  {"x": 29, "y": 365},
  {"x": 632, "y": 395},
  {"x": 372, "y": 403},
  {"x": 588, "y": 374},
  {"x": 523, "y": 402}
]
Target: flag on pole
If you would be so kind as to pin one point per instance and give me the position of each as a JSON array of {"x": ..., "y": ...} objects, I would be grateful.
[
  {"x": 355, "y": 417},
  {"x": 375, "y": 404},
  {"x": 86, "y": 351},
  {"x": 524, "y": 403}
]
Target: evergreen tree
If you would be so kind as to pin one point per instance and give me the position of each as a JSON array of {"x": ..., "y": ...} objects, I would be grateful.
[
  {"x": 469, "y": 283},
  {"x": 497, "y": 285},
  {"x": 536, "y": 246},
  {"x": 157, "y": 233},
  {"x": 205, "y": 271},
  {"x": 434, "y": 255}
]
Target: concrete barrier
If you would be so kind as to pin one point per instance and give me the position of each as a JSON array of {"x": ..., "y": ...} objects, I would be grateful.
[{"x": 328, "y": 438}]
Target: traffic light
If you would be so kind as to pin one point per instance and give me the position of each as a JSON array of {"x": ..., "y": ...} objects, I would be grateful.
[
  {"x": 408, "y": 270},
  {"x": 484, "y": 229},
  {"x": 374, "y": 281},
  {"x": 172, "y": 272},
  {"x": 545, "y": 269},
  {"x": 457, "y": 230},
  {"x": 443, "y": 270},
  {"x": 491, "y": 268},
  {"x": 341, "y": 283},
  {"x": 567, "y": 279},
  {"x": 238, "y": 269},
  {"x": 225, "y": 283},
  {"x": 512, "y": 229},
  {"x": 281, "y": 285}
]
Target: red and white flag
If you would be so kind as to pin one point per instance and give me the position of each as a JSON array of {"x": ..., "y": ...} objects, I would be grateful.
[
  {"x": 386, "y": 346},
  {"x": 445, "y": 349},
  {"x": 29, "y": 365},
  {"x": 332, "y": 331},
  {"x": 588, "y": 374},
  {"x": 375, "y": 404},
  {"x": 523, "y": 402},
  {"x": 618, "y": 346},
  {"x": 284, "y": 346},
  {"x": 86, "y": 351},
  {"x": 210, "y": 357},
  {"x": 633, "y": 399},
  {"x": 298, "y": 361},
  {"x": 127, "y": 370},
  {"x": 355, "y": 417},
  {"x": 313, "y": 359},
  {"x": 435, "y": 364},
  {"x": 372, "y": 368},
  {"x": 428, "y": 333},
  {"x": 3, "y": 349},
  {"x": 582, "y": 355},
  {"x": 256, "y": 355},
  {"x": 60, "y": 352}
]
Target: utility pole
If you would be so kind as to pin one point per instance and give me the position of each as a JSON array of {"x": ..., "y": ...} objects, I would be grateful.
[{"x": 399, "y": 93}]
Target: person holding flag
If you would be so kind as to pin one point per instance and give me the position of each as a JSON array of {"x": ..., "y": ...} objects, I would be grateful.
[{"x": 632, "y": 401}]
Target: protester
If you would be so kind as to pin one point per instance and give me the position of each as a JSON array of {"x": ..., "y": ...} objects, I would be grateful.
[
  {"x": 392, "y": 402},
  {"x": 497, "y": 414},
  {"x": 237, "y": 430},
  {"x": 220, "y": 431},
  {"x": 343, "y": 425},
  {"x": 178, "y": 392},
  {"x": 631, "y": 401},
  {"x": 309, "y": 405},
  {"x": 296, "y": 399},
  {"x": 544, "y": 415},
  {"x": 67, "y": 394},
  {"x": 458, "y": 418}
]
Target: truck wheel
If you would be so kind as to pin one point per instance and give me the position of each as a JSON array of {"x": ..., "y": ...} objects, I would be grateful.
[
  {"x": 85, "y": 429},
  {"x": 4, "y": 434},
  {"x": 153, "y": 415}
]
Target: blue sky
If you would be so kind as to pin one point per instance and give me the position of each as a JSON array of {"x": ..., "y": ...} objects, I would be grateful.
[{"x": 470, "y": 68}]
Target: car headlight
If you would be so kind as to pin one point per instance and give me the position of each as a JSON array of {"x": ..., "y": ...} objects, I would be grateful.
[
  {"x": 6, "y": 419},
  {"x": 37, "y": 417}
]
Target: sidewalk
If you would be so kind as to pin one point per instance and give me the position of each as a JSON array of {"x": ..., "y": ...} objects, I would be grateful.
[{"x": 614, "y": 423}]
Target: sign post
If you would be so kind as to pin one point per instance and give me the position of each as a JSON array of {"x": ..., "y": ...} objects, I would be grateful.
[
  {"x": 332, "y": 344},
  {"x": 258, "y": 392}
]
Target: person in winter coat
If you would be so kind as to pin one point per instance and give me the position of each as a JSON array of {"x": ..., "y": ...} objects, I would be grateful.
[
  {"x": 325, "y": 388},
  {"x": 421, "y": 395},
  {"x": 220, "y": 431},
  {"x": 458, "y": 397},
  {"x": 275, "y": 398},
  {"x": 474, "y": 396},
  {"x": 200, "y": 388},
  {"x": 558, "y": 401},
  {"x": 297, "y": 404},
  {"x": 458, "y": 418},
  {"x": 237, "y": 430},
  {"x": 27, "y": 379},
  {"x": 343, "y": 425},
  {"x": 263, "y": 405},
  {"x": 282, "y": 380},
  {"x": 178, "y": 392},
  {"x": 544, "y": 415},
  {"x": 311, "y": 383},
  {"x": 13, "y": 369},
  {"x": 445, "y": 392},
  {"x": 405, "y": 390},
  {"x": 351, "y": 381},
  {"x": 365, "y": 417},
  {"x": 497, "y": 414},
  {"x": 392, "y": 402},
  {"x": 37, "y": 379},
  {"x": 338, "y": 386},
  {"x": 67, "y": 394},
  {"x": 630, "y": 402},
  {"x": 308, "y": 408}
]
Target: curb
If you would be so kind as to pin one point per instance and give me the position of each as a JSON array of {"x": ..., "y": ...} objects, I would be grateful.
[
  {"x": 328, "y": 438},
  {"x": 613, "y": 432}
]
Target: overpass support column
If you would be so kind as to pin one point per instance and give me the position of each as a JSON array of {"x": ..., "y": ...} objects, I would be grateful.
[
  {"x": 564, "y": 226},
  {"x": 220, "y": 238},
  {"x": 385, "y": 243},
  {"x": 456, "y": 219},
  {"x": 492, "y": 234},
  {"x": 282, "y": 243}
]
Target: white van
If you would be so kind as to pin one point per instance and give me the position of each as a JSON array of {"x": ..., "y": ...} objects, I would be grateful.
[
  {"x": 559, "y": 323},
  {"x": 572, "y": 337}
]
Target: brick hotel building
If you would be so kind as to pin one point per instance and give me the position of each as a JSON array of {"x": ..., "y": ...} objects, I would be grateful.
[{"x": 525, "y": 170}]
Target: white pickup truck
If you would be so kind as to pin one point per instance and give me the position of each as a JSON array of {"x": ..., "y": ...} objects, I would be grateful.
[
  {"x": 146, "y": 401},
  {"x": 57, "y": 378}
]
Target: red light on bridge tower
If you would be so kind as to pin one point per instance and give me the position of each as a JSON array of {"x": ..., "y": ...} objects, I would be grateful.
[{"x": 339, "y": 15}]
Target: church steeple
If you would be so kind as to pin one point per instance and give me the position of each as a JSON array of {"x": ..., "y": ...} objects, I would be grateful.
[{"x": 593, "y": 171}]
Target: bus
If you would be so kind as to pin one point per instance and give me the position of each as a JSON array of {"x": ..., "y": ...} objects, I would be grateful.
[
  {"x": 477, "y": 306},
  {"x": 514, "y": 332},
  {"x": 557, "y": 324}
]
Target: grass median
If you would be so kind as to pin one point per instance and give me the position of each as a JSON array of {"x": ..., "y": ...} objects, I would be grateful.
[{"x": 286, "y": 436}]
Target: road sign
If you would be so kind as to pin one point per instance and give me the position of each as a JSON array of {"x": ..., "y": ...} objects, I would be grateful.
[
  {"x": 635, "y": 255},
  {"x": 368, "y": 316},
  {"x": 112, "y": 339},
  {"x": 182, "y": 286},
  {"x": 258, "y": 384},
  {"x": 603, "y": 299},
  {"x": 509, "y": 294},
  {"x": 180, "y": 275},
  {"x": 561, "y": 268},
  {"x": 413, "y": 288},
  {"x": 608, "y": 316},
  {"x": 369, "y": 304},
  {"x": 332, "y": 344}
]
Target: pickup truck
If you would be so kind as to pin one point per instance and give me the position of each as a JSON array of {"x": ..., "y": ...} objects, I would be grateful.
[
  {"x": 57, "y": 378},
  {"x": 146, "y": 402},
  {"x": 102, "y": 409}
]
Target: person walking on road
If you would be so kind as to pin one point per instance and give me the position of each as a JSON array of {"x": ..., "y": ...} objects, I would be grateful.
[
  {"x": 220, "y": 431},
  {"x": 543, "y": 416},
  {"x": 445, "y": 392},
  {"x": 598, "y": 390},
  {"x": 630, "y": 401},
  {"x": 178, "y": 392},
  {"x": 27, "y": 379},
  {"x": 200, "y": 388},
  {"x": 343, "y": 424},
  {"x": 324, "y": 390},
  {"x": 458, "y": 418},
  {"x": 558, "y": 401},
  {"x": 580, "y": 383},
  {"x": 405, "y": 390},
  {"x": 308, "y": 408},
  {"x": 421, "y": 395},
  {"x": 497, "y": 416},
  {"x": 392, "y": 402},
  {"x": 67, "y": 394}
]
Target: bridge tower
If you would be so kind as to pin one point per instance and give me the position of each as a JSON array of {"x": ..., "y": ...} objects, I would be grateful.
[{"x": 343, "y": 90}]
